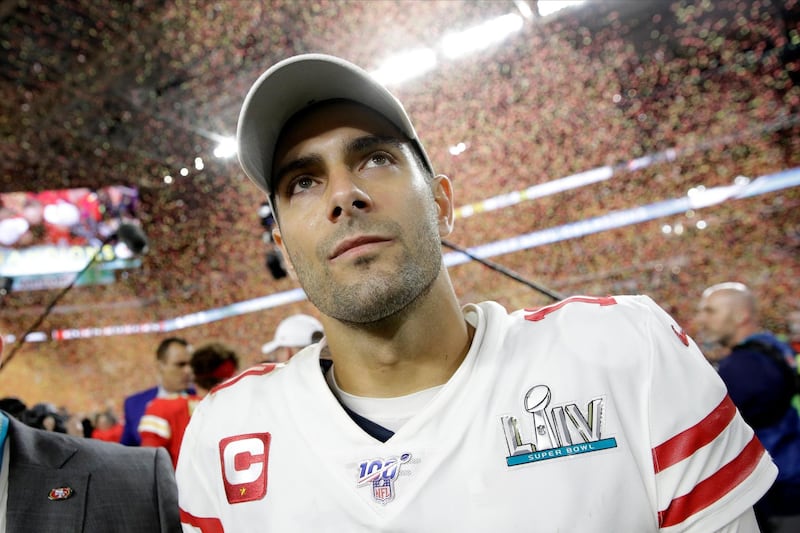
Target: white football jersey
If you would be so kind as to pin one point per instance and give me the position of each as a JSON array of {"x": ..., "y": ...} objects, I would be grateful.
[{"x": 589, "y": 415}]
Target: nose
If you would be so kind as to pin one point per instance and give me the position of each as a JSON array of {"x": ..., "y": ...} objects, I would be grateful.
[{"x": 346, "y": 196}]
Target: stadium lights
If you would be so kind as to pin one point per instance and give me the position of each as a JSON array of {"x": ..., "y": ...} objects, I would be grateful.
[
  {"x": 551, "y": 6},
  {"x": 458, "y": 44},
  {"x": 414, "y": 63},
  {"x": 226, "y": 148},
  {"x": 405, "y": 66}
]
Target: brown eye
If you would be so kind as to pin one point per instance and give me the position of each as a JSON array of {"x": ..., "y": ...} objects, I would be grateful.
[
  {"x": 301, "y": 184},
  {"x": 379, "y": 159}
]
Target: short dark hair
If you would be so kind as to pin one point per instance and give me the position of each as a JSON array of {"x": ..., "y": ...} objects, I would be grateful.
[
  {"x": 213, "y": 363},
  {"x": 36, "y": 415},
  {"x": 13, "y": 406},
  {"x": 161, "y": 351}
]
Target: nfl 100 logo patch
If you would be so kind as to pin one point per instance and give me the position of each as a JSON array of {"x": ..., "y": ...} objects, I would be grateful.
[{"x": 381, "y": 474}]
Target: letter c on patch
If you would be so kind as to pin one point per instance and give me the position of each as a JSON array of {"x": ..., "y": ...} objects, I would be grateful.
[{"x": 244, "y": 460}]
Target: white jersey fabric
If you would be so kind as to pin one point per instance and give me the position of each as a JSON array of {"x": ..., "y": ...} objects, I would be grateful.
[{"x": 589, "y": 415}]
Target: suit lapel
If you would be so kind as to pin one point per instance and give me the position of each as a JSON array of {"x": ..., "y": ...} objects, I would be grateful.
[{"x": 37, "y": 467}]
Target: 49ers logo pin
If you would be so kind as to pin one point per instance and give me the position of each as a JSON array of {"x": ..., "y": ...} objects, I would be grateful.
[{"x": 60, "y": 493}]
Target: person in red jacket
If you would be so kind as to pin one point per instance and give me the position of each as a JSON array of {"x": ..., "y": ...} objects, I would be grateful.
[
  {"x": 165, "y": 419},
  {"x": 107, "y": 427}
]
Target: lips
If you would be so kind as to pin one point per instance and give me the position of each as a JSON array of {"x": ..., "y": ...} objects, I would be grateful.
[{"x": 355, "y": 242}]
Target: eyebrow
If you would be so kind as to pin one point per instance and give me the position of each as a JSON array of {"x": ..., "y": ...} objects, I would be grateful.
[
  {"x": 354, "y": 146},
  {"x": 295, "y": 164},
  {"x": 367, "y": 142}
]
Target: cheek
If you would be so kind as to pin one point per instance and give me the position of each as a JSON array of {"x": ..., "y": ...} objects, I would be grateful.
[{"x": 302, "y": 237}]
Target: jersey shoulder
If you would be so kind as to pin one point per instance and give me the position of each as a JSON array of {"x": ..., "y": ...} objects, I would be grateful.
[
  {"x": 581, "y": 305},
  {"x": 619, "y": 327},
  {"x": 249, "y": 378}
]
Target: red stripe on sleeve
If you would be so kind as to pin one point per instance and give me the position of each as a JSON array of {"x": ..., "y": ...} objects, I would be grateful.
[
  {"x": 689, "y": 441},
  {"x": 539, "y": 314},
  {"x": 206, "y": 525},
  {"x": 714, "y": 487},
  {"x": 258, "y": 370}
]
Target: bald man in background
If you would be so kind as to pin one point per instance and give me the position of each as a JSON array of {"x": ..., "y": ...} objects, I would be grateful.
[{"x": 757, "y": 370}]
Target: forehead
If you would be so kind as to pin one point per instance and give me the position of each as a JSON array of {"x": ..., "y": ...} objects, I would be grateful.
[
  {"x": 176, "y": 351},
  {"x": 327, "y": 116},
  {"x": 717, "y": 300}
]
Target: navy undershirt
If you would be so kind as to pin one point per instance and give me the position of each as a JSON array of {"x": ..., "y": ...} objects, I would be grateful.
[{"x": 376, "y": 431}]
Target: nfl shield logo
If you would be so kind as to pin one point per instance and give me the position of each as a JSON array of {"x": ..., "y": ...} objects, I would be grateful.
[
  {"x": 381, "y": 474},
  {"x": 382, "y": 490}
]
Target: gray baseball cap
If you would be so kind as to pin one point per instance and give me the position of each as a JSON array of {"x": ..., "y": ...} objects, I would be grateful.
[{"x": 298, "y": 82}]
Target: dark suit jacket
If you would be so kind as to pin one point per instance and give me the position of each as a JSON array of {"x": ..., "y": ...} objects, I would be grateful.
[
  {"x": 135, "y": 404},
  {"x": 115, "y": 489}
]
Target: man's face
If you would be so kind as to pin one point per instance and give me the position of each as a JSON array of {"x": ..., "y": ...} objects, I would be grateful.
[
  {"x": 716, "y": 319},
  {"x": 175, "y": 370},
  {"x": 358, "y": 218},
  {"x": 793, "y": 320}
]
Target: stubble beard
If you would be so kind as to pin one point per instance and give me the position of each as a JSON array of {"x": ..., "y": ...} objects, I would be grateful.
[{"x": 379, "y": 294}]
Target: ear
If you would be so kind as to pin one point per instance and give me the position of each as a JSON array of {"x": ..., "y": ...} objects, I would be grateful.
[
  {"x": 277, "y": 238},
  {"x": 744, "y": 317},
  {"x": 443, "y": 196}
]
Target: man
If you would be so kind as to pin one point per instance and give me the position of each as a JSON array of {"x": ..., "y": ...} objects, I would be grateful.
[
  {"x": 591, "y": 415},
  {"x": 175, "y": 377},
  {"x": 762, "y": 386},
  {"x": 292, "y": 334},
  {"x": 54, "y": 482},
  {"x": 165, "y": 419},
  {"x": 793, "y": 319},
  {"x": 107, "y": 427}
]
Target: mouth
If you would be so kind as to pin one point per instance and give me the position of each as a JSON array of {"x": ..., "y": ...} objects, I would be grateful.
[{"x": 357, "y": 246}]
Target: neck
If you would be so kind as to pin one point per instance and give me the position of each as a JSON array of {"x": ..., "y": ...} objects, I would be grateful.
[
  {"x": 742, "y": 333},
  {"x": 405, "y": 354}
]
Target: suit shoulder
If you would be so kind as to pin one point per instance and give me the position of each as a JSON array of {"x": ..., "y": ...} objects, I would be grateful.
[
  {"x": 67, "y": 451},
  {"x": 142, "y": 395},
  {"x": 117, "y": 459}
]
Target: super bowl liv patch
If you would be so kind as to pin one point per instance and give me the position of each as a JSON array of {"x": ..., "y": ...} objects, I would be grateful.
[
  {"x": 381, "y": 474},
  {"x": 561, "y": 431}
]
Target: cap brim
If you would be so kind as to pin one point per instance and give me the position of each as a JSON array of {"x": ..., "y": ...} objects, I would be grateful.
[
  {"x": 270, "y": 346},
  {"x": 294, "y": 84}
]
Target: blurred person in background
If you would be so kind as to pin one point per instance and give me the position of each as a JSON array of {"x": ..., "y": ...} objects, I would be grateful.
[
  {"x": 758, "y": 370},
  {"x": 292, "y": 335},
  {"x": 175, "y": 378},
  {"x": 55, "y": 482},
  {"x": 13, "y": 405},
  {"x": 78, "y": 424},
  {"x": 107, "y": 427},
  {"x": 165, "y": 419},
  {"x": 44, "y": 416},
  {"x": 794, "y": 331}
]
